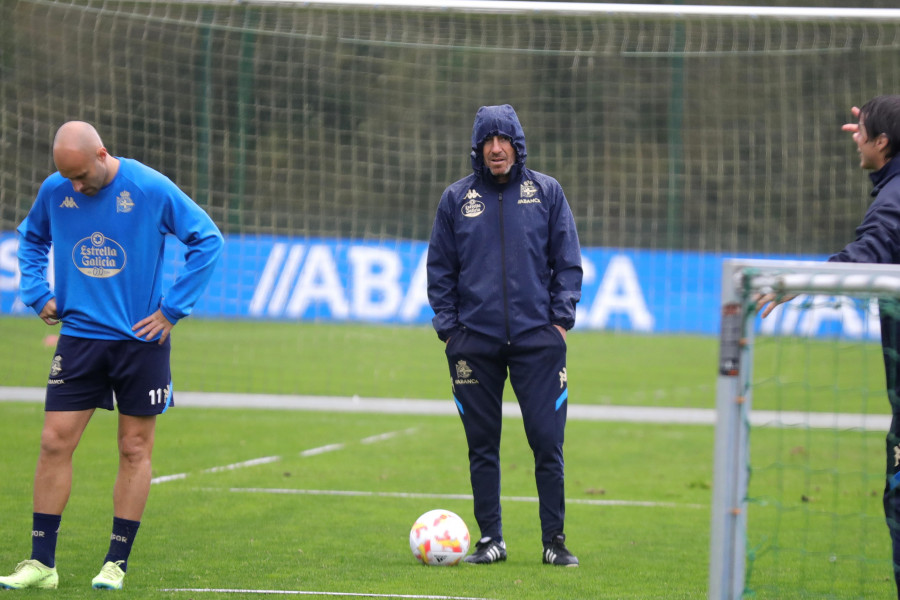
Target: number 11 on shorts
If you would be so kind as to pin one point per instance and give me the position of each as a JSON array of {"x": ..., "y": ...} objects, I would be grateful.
[{"x": 159, "y": 396}]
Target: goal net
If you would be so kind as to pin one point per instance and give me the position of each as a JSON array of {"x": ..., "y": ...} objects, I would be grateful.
[
  {"x": 320, "y": 136},
  {"x": 802, "y": 417}
]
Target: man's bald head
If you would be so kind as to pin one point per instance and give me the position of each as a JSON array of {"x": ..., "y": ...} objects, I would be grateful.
[
  {"x": 80, "y": 157},
  {"x": 77, "y": 136}
]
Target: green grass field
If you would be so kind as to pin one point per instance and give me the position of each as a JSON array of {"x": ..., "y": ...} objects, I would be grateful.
[
  {"x": 394, "y": 362},
  {"x": 204, "y": 532},
  {"x": 337, "y": 522},
  {"x": 408, "y": 362}
]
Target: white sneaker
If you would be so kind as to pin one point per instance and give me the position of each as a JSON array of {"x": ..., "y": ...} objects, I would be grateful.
[
  {"x": 31, "y": 574},
  {"x": 111, "y": 577}
]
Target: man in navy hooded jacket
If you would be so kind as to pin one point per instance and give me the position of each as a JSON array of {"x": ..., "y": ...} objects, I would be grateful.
[
  {"x": 504, "y": 275},
  {"x": 877, "y": 138}
]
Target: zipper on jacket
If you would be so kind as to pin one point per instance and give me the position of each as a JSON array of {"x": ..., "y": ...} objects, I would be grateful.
[{"x": 503, "y": 270}]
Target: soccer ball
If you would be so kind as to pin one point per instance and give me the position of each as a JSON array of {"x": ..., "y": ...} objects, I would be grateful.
[{"x": 439, "y": 538}]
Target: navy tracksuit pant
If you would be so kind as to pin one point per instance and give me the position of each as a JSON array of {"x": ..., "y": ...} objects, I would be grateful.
[
  {"x": 890, "y": 343},
  {"x": 536, "y": 364}
]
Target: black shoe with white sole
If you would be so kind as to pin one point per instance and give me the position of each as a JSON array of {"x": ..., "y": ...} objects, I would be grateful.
[
  {"x": 487, "y": 551},
  {"x": 556, "y": 553}
]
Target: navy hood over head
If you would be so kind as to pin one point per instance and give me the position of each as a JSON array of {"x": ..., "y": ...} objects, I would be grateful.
[
  {"x": 503, "y": 258},
  {"x": 497, "y": 120}
]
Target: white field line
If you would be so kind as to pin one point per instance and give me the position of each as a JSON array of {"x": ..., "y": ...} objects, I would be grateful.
[
  {"x": 166, "y": 478},
  {"x": 386, "y": 436},
  {"x": 414, "y": 495},
  {"x": 578, "y": 412},
  {"x": 305, "y": 593},
  {"x": 240, "y": 465},
  {"x": 265, "y": 460},
  {"x": 322, "y": 449}
]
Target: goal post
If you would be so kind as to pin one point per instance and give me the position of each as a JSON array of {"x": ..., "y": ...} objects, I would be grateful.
[
  {"x": 841, "y": 289},
  {"x": 731, "y": 449}
]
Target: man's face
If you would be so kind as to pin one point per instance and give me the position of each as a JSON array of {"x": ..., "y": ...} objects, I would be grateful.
[
  {"x": 85, "y": 170},
  {"x": 871, "y": 150},
  {"x": 499, "y": 156}
]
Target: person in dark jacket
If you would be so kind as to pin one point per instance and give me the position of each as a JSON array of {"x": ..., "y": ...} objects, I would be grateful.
[
  {"x": 877, "y": 138},
  {"x": 504, "y": 275}
]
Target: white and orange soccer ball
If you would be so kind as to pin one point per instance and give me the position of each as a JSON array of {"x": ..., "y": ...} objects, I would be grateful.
[{"x": 439, "y": 538}]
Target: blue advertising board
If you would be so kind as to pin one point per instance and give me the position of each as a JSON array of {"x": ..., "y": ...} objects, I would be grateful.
[{"x": 283, "y": 278}]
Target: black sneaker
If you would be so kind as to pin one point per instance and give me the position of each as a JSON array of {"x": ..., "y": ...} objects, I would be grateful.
[
  {"x": 487, "y": 551},
  {"x": 556, "y": 553}
]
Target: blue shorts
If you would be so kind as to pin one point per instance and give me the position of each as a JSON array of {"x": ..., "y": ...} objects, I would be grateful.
[{"x": 85, "y": 373}]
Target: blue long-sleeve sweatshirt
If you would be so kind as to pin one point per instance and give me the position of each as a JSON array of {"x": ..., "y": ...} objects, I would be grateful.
[
  {"x": 108, "y": 252},
  {"x": 503, "y": 259}
]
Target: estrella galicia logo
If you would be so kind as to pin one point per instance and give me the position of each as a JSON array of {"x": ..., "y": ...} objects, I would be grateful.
[
  {"x": 99, "y": 256},
  {"x": 472, "y": 208}
]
